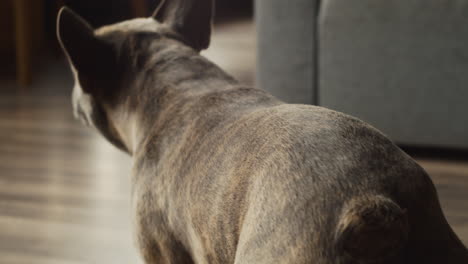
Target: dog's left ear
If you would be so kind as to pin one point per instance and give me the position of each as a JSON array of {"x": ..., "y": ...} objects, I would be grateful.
[
  {"x": 190, "y": 18},
  {"x": 89, "y": 55}
]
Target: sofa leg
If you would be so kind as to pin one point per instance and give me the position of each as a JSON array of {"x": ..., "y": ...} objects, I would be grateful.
[
  {"x": 139, "y": 8},
  {"x": 23, "y": 42}
]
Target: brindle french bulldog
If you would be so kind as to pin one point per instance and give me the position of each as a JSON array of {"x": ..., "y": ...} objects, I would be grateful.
[{"x": 225, "y": 173}]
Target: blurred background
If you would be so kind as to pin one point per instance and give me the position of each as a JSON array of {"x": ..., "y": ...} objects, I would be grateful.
[{"x": 400, "y": 65}]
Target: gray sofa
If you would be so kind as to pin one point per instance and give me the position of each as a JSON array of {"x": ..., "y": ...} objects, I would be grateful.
[{"x": 401, "y": 65}]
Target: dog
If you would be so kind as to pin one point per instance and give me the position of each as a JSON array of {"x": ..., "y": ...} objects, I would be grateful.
[{"x": 225, "y": 173}]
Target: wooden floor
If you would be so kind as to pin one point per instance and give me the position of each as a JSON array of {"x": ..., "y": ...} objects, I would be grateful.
[{"x": 64, "y": 191}]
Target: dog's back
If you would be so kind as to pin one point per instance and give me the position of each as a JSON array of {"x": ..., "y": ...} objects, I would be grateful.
[{"x": 293, "y": 184}]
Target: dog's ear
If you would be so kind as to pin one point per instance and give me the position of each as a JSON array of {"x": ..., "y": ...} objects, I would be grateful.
[
  {"x": 190, "y": 18},
  {"x": 88, "y": 54}
]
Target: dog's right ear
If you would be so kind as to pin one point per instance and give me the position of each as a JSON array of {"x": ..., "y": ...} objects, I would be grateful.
[
  {"x": 190, "y": 18},
  {"x": 85, "y": 51}
]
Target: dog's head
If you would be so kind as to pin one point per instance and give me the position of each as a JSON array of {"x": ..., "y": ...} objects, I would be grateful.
[{"x": 96, "y": 56}]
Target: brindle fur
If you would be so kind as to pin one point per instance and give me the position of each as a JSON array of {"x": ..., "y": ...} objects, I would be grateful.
[{"x": 225, "y": 173}]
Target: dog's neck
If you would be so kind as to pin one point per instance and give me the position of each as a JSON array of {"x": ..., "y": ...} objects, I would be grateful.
[{"x": 166, "y": 76}]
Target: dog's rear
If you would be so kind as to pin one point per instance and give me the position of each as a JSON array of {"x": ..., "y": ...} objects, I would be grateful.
[
  {"x": 327, "y": 188},
  {"x": 228, "y": 174}
]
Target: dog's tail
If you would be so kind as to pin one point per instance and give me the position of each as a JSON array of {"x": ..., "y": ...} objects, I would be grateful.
[{"x": 371, "y": 228}]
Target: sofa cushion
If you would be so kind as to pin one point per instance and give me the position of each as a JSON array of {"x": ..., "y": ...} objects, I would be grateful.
[
  {"x": 400, "y": 65},
  {"x": 286, "y": 48}
]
